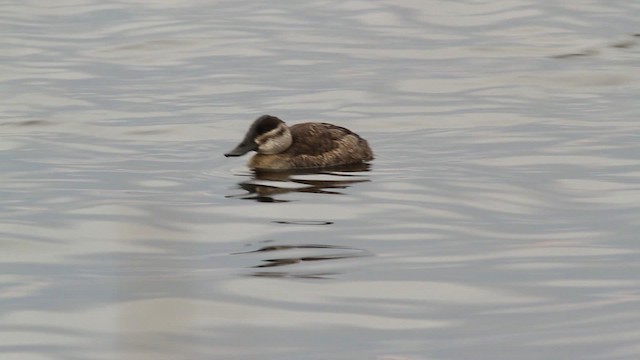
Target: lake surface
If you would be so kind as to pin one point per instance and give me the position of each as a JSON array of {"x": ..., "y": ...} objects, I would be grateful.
[{"x": 499, "y": 219}]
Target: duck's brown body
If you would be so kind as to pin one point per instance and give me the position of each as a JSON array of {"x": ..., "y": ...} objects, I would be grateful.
[
  {"x": 312, "y": 145},
  {"x": 316, "y": 145}
]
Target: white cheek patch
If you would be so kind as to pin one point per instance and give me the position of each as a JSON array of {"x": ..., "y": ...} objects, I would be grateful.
[{"x": 274, "y": 141}]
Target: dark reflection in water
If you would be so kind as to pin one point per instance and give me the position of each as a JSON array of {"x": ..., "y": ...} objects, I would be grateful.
[
  {"x": 304, "y": 222},
  {"x": 27, "y": 123},
  {"x": 627, "y": 43},
  {"x": 281, "y": 274},
  {"x": 264, "y": 186},
  {"x": 282, "y": 255}
]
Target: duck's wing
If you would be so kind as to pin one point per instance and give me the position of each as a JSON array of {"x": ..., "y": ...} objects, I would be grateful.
[{"x": 317, "y": 138}]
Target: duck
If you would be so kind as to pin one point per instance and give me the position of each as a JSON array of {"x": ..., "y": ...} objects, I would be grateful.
[{"x": 307, "y": 145}]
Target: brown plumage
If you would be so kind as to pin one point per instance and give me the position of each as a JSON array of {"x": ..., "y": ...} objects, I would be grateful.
[{"x": 301, "y": 146}]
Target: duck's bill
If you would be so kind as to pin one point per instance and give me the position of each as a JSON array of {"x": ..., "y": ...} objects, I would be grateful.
[{"x": 242, "y": 149}]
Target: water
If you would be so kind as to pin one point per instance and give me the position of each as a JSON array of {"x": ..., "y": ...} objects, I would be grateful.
[{"x": 498, "y": 220}]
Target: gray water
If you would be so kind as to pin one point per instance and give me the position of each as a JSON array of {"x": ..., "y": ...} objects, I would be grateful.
[{"x": 499, "y": 219}]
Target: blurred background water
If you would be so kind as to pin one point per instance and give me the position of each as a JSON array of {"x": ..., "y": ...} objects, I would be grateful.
[{"x": 499, "y": 219}]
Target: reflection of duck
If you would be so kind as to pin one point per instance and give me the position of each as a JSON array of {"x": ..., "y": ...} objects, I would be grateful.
[
  {"x": 264, "y": 185},
  {"x": 285, "y": 255},
  {"x": 301, "y": 146}
]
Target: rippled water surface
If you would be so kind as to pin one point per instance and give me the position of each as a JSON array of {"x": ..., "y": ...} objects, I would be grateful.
[{"x": 499, "y": 219}]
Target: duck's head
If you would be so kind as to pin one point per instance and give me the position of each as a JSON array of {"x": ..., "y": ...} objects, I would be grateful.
[{"x": 267, "y": 135}]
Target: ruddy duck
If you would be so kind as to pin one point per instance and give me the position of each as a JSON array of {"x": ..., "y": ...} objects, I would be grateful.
[{"x": 300, "y": 146}]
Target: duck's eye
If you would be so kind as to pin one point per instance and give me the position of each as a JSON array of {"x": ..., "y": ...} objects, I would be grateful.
[
  {"x": 267, "y": 123},
  {"x": 265, "y": 128}
]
